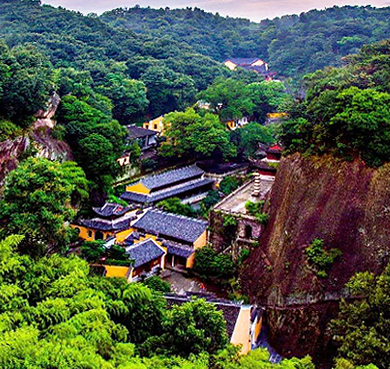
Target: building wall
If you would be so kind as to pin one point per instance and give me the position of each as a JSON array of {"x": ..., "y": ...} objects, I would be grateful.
[
  {"x": 255, "y": 226},
  {"x": 241, "y": 334},
  {"x": 230, "y": 65},
  {"x": 200, "y": 242},
  {"x": 89, "y": 234},
  {"x": 116, "y": 271},
  {"x": 258, "y": 63},
  {"x": 156, "y": 125}
]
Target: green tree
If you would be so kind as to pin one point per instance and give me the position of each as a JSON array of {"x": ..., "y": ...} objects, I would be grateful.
[
  {"x": 188, "y": 132},
  {"x": 174, "y": 205},
  {"x": 248, "y": 138},
  {"x": 360, "y": 329},
  {"x": 229, "y": 98},
  {"x": 197, "y": 325},
  {"x": 37, "y": 203}
]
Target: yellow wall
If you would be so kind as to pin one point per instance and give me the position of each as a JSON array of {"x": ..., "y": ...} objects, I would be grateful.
[
  {"x": 259, "y": 324},
  {"x": 85, "y": 235},
  {"x": 138, "y": 188},
  {"x": 230, "y": 65},
  {"x": 258, "y": 63},
  {"x": 200, "y": 242},
  {"x": 231, "y": 124},
  {"x": 155, "y": 125},
  {"x": 116, "y": 271},
  {"x": 276, "y": 115},
  {"x": 241, "y": 334}
]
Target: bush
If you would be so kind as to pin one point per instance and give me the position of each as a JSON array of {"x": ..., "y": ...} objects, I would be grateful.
[
  {"x": 210, "y": 264},
  {"x": 262, "y": 218},
  {"x": 254, "y": 207},
  {"x": 228, "y": 185},
  {"x": 8, "y": 130},
  {"x": 157, "y": 284},
  {"x": 92, "y": 251},
  {"x": 320, "y": 259}
]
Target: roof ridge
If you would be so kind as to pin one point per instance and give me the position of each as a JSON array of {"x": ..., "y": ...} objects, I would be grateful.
[
  {"x": 171, "y": 170},
  {"x": 157, "y": 210}
]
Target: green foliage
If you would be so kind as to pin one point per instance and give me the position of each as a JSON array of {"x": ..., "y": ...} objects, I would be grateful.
[
  {"x": 37, "y": 202},
  {"x": 197, "y": 325},
  {"x": 346, "y": 111},
  {"x": 292, "y": 44},
  {"x": 228, "y": 185},
  {"x": 8, "y": 130},
  {"x": 262, "y": 218},
  {"x": 229, "y": 220},
  {"x": 360, "y": 329},
  {"x": 253, "y": 208},
  {"x": 92, "y": 251},
  {"x": 157, "y": 284},
  {"x": 210, "y": 200},
  {"x": 174, "y": 205},
  {"x": 24, "y": 83},
  {"x": 320, "y": 259},
  {"x": 208, "y": 263},
  {"x": 188, "y": 133},
  {"x": 247, "y": 138}
]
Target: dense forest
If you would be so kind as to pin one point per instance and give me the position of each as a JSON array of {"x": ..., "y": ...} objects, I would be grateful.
[
  {"x": 134, "y": 64},
  {"x": 293, "y": 44}
]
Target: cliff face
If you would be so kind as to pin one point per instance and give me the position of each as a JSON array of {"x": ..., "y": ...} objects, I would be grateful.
[
  {"x": 345, "y": 204},
  {"x": 38, "y": 140}
]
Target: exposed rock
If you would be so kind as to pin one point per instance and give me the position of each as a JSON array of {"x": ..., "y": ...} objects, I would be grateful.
[
  {"x": 347, "y": 205},
  {"x": 38, "y": 140}
]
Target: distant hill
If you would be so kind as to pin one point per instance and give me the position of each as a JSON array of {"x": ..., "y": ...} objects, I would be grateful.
[{"x": 293, "y": 45}]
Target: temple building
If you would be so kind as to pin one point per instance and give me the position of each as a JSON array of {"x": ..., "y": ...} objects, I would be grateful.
[
  {"x": 186, "y": 183},
  {"x": 111, "y": 219}
]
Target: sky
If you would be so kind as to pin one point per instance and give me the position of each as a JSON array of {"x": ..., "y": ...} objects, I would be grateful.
[{"x": 255, "y": 10}]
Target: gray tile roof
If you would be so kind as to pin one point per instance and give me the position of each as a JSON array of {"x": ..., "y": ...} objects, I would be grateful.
[
  {"x": 101, "y": 224},
  {"x": 178, "y": 249},
  {"x": 144, "y": 252},
  {"x": 111, "y": 210},
  {"x": 171, "y": 225},
  {"x": 139, "y": 132},
  {"x": 171, "y": 177},
  {"x": 243, "y": 61},
  {"x": 166, "y": 193}
]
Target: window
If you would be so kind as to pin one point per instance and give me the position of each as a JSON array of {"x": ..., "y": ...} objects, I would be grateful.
[
  {"x": 146, "y": 126},
  {"x": 98, "y": 235},
  {"x": 89, "y": 234},
  {"x": 155, "y": 126},
  {"x": 248, "y": 231}
]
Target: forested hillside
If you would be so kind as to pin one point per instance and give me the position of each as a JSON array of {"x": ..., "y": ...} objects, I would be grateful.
[
  {"x": 293, "y": 45},
  {"x": 111, "y": 58}
]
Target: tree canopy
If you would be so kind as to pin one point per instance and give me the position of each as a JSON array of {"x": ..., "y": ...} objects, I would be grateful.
[{"x": 38, "y": 198}]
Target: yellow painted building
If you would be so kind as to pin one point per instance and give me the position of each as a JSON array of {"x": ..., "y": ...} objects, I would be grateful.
[{"x": 156, "y": 124}]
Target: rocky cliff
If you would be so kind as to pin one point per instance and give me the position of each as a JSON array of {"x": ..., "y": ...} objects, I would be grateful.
[
  {"x": 37, "y": 140},
  {"x": 347, "y": 205}
]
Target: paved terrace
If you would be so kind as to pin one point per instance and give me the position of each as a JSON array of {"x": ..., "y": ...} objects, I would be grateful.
[{"x": 236, "y": 201}]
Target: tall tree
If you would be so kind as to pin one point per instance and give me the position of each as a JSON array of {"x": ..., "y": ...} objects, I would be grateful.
[{"x": 37, "y": 203}]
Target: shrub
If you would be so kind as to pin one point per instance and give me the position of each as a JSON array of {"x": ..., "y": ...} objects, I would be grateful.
[
  {"x": 210, "y": 264},
  {"x": 157, "y": 284},
  {"x": 254, "y": 207},
  {"x": 320, "y": 259},
  {"x": 228, "y": 185}
]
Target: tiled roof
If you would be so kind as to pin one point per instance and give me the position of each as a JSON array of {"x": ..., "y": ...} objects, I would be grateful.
[
  {"x": 243, "y": 61},
  {"x": 111, "y": 209},
  {"x": 166, "y": 193},
  {"x": 171, "y": 177},
  {"x": 178, "y": 249},
  {"x": 138, "y": 132},
  {"x": 100, "y": 224},
  {"x": 171, "y": 225},
  {"x": 259, "y": 69},
  {"x": 144, "y": 252}
]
